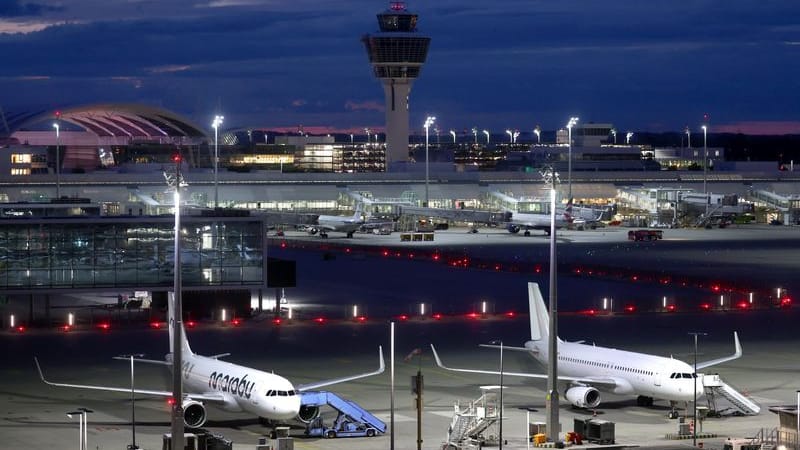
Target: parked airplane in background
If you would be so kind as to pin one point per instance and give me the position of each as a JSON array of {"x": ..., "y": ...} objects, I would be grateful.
[
  {"x": 341, "y": 224},
  {"x": 516, "y": 221},
  {"x": 231, "y": 387},
  {"x": 584, "y": 369}
]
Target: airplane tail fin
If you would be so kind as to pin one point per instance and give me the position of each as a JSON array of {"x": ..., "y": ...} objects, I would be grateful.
[
  {"x": 186, "y": 350},
  {"x": 540, "y": 328},
  {"x": 359, "y": 211}
]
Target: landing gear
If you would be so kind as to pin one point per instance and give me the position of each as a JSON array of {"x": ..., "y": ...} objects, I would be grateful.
[
  {"x": 323, "y": 234},
  {"x": 644, "y": 400},
  {"x": 527, "y": 233},
  {"x": 350, "y": 234}
]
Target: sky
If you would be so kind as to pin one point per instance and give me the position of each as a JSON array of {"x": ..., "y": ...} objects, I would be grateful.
[{"x": 654, "y": 65}]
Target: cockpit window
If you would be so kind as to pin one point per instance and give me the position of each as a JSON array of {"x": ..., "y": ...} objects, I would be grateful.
[{"x": 270, "y": 393}]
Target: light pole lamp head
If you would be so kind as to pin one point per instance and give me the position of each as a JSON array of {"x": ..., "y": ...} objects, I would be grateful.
[
  {"x": 57, "y": 127},
  {"x": 628, "y": 137},
  {"x": 217, "y": 121},
  {"x": 74, "y": 413},
  {"x": 429, "y": 121},
  {"x": 572, "y": 122}
]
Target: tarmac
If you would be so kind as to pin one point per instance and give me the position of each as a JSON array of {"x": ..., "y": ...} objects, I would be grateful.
[{"x": 33, "y": 415}]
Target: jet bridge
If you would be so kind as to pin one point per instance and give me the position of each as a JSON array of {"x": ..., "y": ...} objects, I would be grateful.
[
  {"x": 352, "y": 420},
  {"x": 714, "y": 387}
]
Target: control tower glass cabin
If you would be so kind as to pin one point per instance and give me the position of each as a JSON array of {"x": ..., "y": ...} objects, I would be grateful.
[{"x": 397, "y": 53}]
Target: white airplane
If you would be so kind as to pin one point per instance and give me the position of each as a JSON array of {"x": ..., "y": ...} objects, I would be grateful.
[
  {"x": 584, "y": 370},
  {"x": 341, "y": 224},
  {"x": 516, "y": 221},
  {"x": 231, "y": 387}
]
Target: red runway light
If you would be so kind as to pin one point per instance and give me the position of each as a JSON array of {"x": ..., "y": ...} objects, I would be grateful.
[
  {"x": 786, "y": 302},
  {"x": 435, "y": 257},
  {"x": 385, "y": 253},
  {"x": 319, "y": 319},
  {"x": 236, "y": 322},
  {"x": 743, "y": 305},
  {"x": 403, "y": 317},
  {"x": 283, "y": 244},
  {"x": 105, "y": 326},
  {"x": 472, "y": 315},
  {"x": 705, "y": 306},
  {"x": 20, "y": 328},
  {"x": 715, "y": 288},
  {"x": 671, "y": 308},
  {"x": 66, "y": 328},
  {"x": 590, "y": 312},
  {"x": 347, "y": 250},
  {"x": 191, "y": 324},
  {"x": 361, "y": 319},
  {"x": 155, "y": 325},
  {"x": 511, "y": 314},
  {"x": 170, "y": 401},
  {"x": 630, "y": 309},
  {"x": 437, "y": 316},
  {"x": 277, "y": 321}
]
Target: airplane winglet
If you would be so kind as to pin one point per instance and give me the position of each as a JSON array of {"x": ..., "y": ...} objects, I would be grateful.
[
  {"x": 436, "y": 357},
  {"x": 381, "y": 362},
  {"x": 39, "y": 368},
  {"x": 737, "y": 353}
]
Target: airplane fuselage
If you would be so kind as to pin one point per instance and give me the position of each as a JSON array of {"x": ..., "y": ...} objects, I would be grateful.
[
  {"x": 245, "y": 389},
  {"x": 633, "y": 373}
]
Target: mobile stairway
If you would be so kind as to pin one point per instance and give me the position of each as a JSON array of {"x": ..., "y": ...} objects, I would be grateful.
[
  {"x": 714, "y": 387},
  {"x": 471, "y": 421},
  {"x": 352, "y": 420}
]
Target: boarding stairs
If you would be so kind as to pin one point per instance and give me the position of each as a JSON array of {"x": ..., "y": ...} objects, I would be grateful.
[
  {"x": 470, "y": 421},
  {"x": 714, "y": 387},
  {"x": 348, "y": 410},
  {"x": 703, "y": 219}
]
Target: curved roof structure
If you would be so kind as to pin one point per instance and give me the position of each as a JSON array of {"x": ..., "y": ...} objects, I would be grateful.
[{"x": 110, "y": 120}]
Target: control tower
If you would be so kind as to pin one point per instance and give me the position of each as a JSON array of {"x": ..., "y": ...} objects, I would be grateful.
[{"x": 397, "y": 53}]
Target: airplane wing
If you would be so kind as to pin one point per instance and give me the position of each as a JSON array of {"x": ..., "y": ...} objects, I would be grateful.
[
  {"x": 143, "y": 360},
  {"x": 319, "y": 384},
  {"x": 736, "y": 354},
  {"x": 209, "y": 397},
  {"x": 605, "y": 383},
  {"x": 505, "y": 347}
]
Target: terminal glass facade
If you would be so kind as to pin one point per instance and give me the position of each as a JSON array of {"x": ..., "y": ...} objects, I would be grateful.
[{"x": 131, "y": 253}]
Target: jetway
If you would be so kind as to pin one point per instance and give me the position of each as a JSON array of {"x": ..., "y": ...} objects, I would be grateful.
[
  {"x": 456, "y": 215},
  {"x": 714, "y": 387}
]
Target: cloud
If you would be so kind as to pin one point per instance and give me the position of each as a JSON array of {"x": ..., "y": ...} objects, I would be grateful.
[
  {"x": 299, "y": 102},
  {"x": 368, "y": 105},
  {"x": 760, "y": 127},
  {"x": 171, "y": 68},
  {"x": 19, "y": 8}
]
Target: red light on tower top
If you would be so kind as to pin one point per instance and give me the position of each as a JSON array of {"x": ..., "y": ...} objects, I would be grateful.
[
  {"x": 176, "y": 158},
  {"x": 397, "y": 6}
]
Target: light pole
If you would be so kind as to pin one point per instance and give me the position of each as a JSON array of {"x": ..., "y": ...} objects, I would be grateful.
[
  {"x": 614, "y": 133},
  {"x": 688, "y": 137},
  {"x": 486, "y": 132},
  {"x": 79, "y": 414},
  {"x": 538, "y": 132},
  {"x": 510, "y": 136},
  {"x": 133, "y": 445},
  {"x": 475, "y": 134},
  {"x": 216, "y": 123},
  {"x": 366, "y": 130},
  {"x": 428, "y": 122},
  {"x": 705, "y": 165},
  {"x": 570, "y": 124},
  {"x": 85, "y": 412},
  {"x": 453, "y": 133},
  {"x": 628, "y": 137},
  {"x": 694, "y": 375},
  {"x": 351, "y": 138},
  {"x": 516, "y": 135},
  {"x": 58, "y": 157},
  {"x": 552, "y": 402},
  {"x": 500, "y": 431},
  {"x": 175, "y": 181}
]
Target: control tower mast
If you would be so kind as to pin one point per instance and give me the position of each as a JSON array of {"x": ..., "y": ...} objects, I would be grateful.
[{"x": 397, "y": 54}]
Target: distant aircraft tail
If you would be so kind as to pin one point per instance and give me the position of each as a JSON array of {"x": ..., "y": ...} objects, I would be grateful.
[
  {"x": 358, "y": 215},
  {"x": 186, "y": 350},
  {"x": 540, "y": 328}
]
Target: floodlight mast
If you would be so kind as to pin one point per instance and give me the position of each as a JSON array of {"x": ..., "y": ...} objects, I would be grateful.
[
  {"x": 428, "y": 122},
  {"x": 175, "y": 181}
]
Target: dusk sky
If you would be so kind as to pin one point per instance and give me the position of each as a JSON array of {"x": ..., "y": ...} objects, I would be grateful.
[{"x": 655, "y": 65}]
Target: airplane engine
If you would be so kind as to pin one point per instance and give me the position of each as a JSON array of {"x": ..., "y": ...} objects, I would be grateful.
[
  {"x": 194, "y": 414},
  {"x": 312, "y": 230},
  {"x": 583, "y": 396},
  {"x": 308, "y": 413},
  {"x": 513, "y": 228}
]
